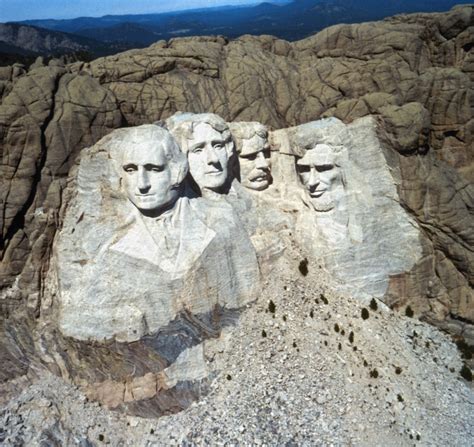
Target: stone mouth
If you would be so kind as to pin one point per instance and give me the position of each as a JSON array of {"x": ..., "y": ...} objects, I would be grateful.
[
  {"x": 260, "y": 178},
  {"x": 317, "y": 193}
]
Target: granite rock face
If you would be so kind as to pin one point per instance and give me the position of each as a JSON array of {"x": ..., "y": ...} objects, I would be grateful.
[
  {"x": 161, "y": 245},
  {"x": 353, "y": 219},
  {"x": 143, "y": 271},
  {"x": 46, "y": 113},
  {"x": 123, "y": 273},
  {"x": 383, "y": 202}
]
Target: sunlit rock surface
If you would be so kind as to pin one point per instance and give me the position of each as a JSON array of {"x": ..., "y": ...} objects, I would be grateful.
[
  {"x": 125, "y": 294},
  {"x": 143, "y": 257},
  {"x": 351, "y": 218}
]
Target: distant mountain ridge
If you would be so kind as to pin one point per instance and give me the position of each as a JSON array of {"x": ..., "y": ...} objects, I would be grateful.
[
  {"x": 109, "y": 20},
  {"x": 128, "y": 33},
  {"x": 289, "y": 20},
  {"x": 41, "y": 40},
  {"x": 26, "y": 42}
]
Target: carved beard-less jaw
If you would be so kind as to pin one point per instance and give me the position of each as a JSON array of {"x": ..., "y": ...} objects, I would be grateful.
[
  {"x": 147, "y": 178},
  {"x": 208, "y": 156},
  {"x": 255, "y": 173}
]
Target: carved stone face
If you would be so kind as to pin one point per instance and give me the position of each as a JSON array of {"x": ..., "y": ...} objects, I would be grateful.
[
  {"x": 208, "y": 157},
  {"x": 147, "y": 178},
  {"x": 321, "y": 177},
  {"x": 254, "y": 160}
]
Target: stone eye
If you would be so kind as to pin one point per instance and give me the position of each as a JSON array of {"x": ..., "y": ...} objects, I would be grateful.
[
  {"x": 153, "y": 168},
  {"x": 303, "y": 169},
  {"x": 323, "y": 168},
  {"x": 130, "y": 169},
  {"x": 251, "y": 157}
]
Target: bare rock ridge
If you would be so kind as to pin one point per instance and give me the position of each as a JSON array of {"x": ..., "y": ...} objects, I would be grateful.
[
  {"x": 170, "y": 227},
  {"x": 120, "y": 267},
  {"x": 38, "y": 40},
  {"x": 33, "y": 42}
]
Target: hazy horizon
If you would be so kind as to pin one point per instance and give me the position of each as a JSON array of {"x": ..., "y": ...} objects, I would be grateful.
[{"x": 58, "y": 9}]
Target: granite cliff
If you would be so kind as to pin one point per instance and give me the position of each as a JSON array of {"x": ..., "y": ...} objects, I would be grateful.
[
  {"x": 414, "y": 72},
  {"x": 380, "y": 113}
]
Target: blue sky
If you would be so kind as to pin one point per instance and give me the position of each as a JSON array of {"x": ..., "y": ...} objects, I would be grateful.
[{"x": 11, "y": 10}]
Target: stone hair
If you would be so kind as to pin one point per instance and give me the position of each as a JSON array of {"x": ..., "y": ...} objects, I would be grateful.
[
  {"x": 183, "y": 128},
  {"x": 177, "y": 160},
  {"x": 246, "y": 131}
]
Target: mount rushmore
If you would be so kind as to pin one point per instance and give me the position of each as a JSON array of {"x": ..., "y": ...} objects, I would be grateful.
[
  {"x": 171, "y": 225},
  {"x": 155, "y": 230},
  {"x": 133, "y": 235}
]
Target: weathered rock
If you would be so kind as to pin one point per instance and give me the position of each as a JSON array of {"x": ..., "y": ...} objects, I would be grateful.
[
  {"x": 142, "y": 271},
  {"x": 408, "y": 126},
  {"x": 415, "y": 72},
  {"x": 46, "y": 119},
  {"x": 353, "y": 220},
  {"x": 303, "y": 383}
]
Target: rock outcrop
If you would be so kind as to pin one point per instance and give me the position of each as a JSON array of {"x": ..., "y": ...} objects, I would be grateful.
[
  {"x": 353, "y": 218},
  {"x": 164, "y": 238},
  {"x": 322, "y": 374},
  {"x": 394, "y": 220}
]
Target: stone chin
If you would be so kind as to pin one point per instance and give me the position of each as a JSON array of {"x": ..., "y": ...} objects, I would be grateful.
[
  {"x": 322, "y": 203},
  {"x": 213, "y": 181},
  {"x": 150, "y": 202},
  {"x": 258, "y": 184}
]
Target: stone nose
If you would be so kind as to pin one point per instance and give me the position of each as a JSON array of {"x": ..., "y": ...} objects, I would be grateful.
[
  {"x": 261, "y": 162},
  {"x": 211, "y": 155},
  {"x": 314, "y": 178},
  {"x": 143, "y": 182}
]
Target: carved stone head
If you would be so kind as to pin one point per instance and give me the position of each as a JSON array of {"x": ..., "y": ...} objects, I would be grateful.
[
  {"x": 207, "y": 141},
  {"x": 321, "y": 174},
  {"x": 151, "y": 168},
  {"x": 254, "y": 154}
]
